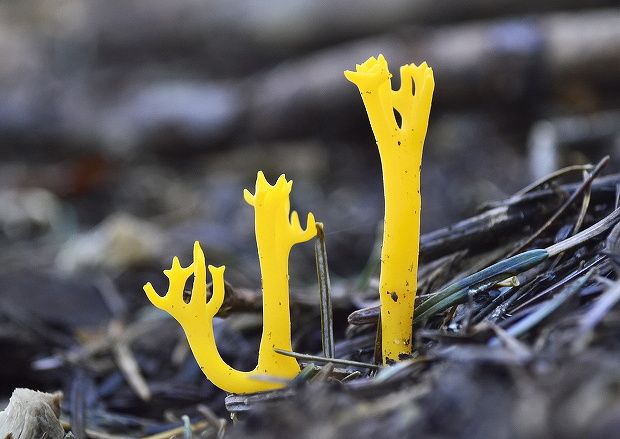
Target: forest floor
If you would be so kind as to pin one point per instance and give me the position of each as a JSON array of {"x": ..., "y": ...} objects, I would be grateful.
[{"x": 122, "y": 147}]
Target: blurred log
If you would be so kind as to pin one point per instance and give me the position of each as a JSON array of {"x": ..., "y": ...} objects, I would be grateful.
[
  {"x": 83, "y": 84},
  {"x": 515, "y": 61},
  {"x": 506, "y": 220},
  {"x": 278, "y": 27}
]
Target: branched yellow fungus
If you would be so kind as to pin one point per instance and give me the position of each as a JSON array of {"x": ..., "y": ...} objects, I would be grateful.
[
  {"x": 277, "y": 230},
  {"x": 400, "y": 147}
]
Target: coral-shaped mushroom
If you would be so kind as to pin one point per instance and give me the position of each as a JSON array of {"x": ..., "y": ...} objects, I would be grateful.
[
  {"x": 277, "y": 230},
  {"x": 400, "y": 147}
]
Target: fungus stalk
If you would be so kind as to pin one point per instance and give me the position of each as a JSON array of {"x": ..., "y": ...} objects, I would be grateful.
[
  {"x": 400, "y": 148},
  {"x": 277, "y": 230}
]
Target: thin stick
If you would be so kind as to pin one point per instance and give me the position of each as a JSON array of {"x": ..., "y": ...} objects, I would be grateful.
[
  {"x": 595, "y": 314},
  {"x": 173, "y": 432},
  {"x": 584, "y": 207},
  {"x": 584, "y": 235},
  {"x": 457, "y": 292},
  {"x": 554, "y": 287},
  {"x": 187, "y": 427},
  {"x": 548, "y": 178},
  {"x": 327, "y": 324},
  {"x": 553, "y": 304},
  {"x": 78, "y": 405},
  {"x": 127, "y": 362},
  {"x": 327, "y": 360},
  {"x": 564, "y": 206}
]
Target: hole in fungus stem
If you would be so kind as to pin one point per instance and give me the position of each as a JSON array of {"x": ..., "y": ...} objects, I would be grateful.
[
  {"x": 399, "y": 118},
  {"x": 187, "y": 289}
]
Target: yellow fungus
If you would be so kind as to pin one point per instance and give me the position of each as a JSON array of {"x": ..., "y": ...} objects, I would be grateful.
[
  {"x": 400, "y": 147},
  {"x": 277, "y": 230}
]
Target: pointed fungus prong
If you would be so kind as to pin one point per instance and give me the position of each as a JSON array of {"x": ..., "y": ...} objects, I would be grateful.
[
  {"x": 199, "y": 287},
  {"x": 217, "y": 298},
  {"x": 152, "y": 295},
  {"x": 295, "y": 224}
]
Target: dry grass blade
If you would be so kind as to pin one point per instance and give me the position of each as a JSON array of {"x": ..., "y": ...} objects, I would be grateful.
[
  {"x": 174, "y": 431},
  {"x": 594, "y": 315},
  {"x": 552, "y": 176},
  {"x": 78, "y": 405},
  {"x": 458, "y": 292},
  {"x": 568, "y": 278},
  {"x": 94, "y": 434},
  {"x": 587, "y": 197},
  {"x": 325, "y": 360},
  {"x": 127, "y": 363},
  {"x": 327, "y": 324},
  {"x": 586, "y": 184},
  {"x": 212, "y": 418},
  {"x": 545, "y": 310}
]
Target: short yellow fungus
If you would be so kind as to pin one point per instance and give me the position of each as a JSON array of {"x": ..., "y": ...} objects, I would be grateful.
[
  {"x": 277, "y": 230},
  {"x": 400, "y": 147}
]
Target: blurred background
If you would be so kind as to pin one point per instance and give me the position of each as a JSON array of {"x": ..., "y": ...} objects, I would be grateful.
[{"x": 129, "y": 129}]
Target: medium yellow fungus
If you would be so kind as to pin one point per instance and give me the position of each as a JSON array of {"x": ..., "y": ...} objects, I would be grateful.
[
  {"x": 400, "y": 147},
  {"x": 277, "y": 230}
]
